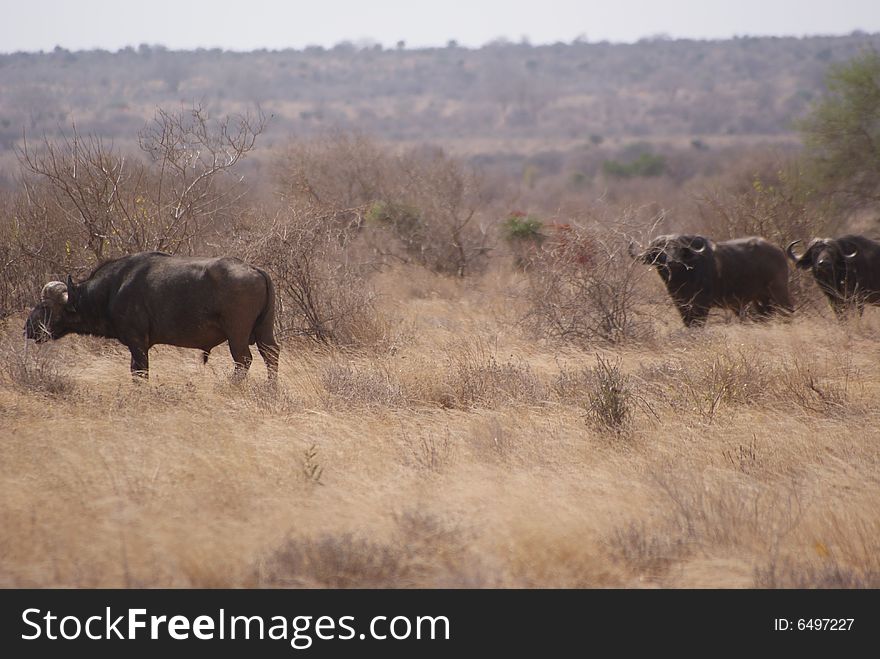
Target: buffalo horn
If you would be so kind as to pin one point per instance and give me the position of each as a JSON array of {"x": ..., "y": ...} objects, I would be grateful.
[{"x": 55, "y": 291}]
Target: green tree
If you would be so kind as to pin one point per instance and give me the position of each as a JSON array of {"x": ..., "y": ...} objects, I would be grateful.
[{"x": 842, "y": 132}]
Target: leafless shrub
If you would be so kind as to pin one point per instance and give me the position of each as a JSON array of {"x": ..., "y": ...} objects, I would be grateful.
[
  {"x": 610, "y": 398},
  {"x": 729, "y": 512},
  {"x": 81, "y": 200},
  {"x": 788, "y": 573},
  {"x": 428, "y": 451},
  {"x": 33, "y": 368},
  {"x": 447, "y": 197},
  {"x": 572, "y": 385},
  {"x": 645, "y": 550},
  {"x": 776, "y": 202},
  {"x": 422, "y": 206},
  {"x": 433, "y": 547},
  {"x": 116, "y": 204},
  {"x": 772, "y": 199},
  {"x": 422, "y": 551},
  {"x": 806, "y": 386},
  {"x": 324, "y": 289},
  {"x": 706, "y": 382},
  {"x": 371, "y": 386},
  {"x": 335, "y": 170},
  {"x": 334, "y": 561},
  {"x": 27, "y": 243},
  {"x": 585, "y": 291},
  {"x": 744, "y": 457},
  {"x": 476, "y": 377}
]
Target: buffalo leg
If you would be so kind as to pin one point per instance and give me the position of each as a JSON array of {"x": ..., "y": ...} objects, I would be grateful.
[
  {"x": 264, "y": 336},
  {"x": 242, "y": 357},
  {"x": 140, "y": 362},
  {"x": 205, "y": 354},
  {"x": 269, "y": 352}
]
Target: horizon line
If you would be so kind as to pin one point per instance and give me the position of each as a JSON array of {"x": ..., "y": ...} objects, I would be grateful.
[{"x": 367, "y": 43}]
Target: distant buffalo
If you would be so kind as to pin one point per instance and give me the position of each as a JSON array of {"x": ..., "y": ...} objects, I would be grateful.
[
  {"x": 847, "y": 270},
  {"x": 746, "y": 274},
  {"x": 154, "y": 298}
]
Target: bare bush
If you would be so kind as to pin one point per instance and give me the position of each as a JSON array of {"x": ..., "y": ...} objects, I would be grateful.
[
  {"x": 476, "y": 377},
  {"x": 33, "y": 368},
  {"x": 806, "y": 385},
  {"x": 610, "y": 396},
  {"x": 428, "y": 451},
  {"x": 371, "y": 386},
  {"x": 447, "y": 197},
  {"x": 586, "y": 300},
  {"x": 422, "y": 551},
  {"x": 115, "y": 204},
  {"x": 423, "y": 205},
  {"x": 647, "y": 551},
  {"x": 324, "y": 289},
  {"x": 335, "y": 170},
  {"x": 572, "y": 385},
  {"x": 22, "y": 245},
  {"x": 706, "y": 383},
  {"x": 81, "y": 200},
  {"x": 735, "y": 512},
  {"x": 744, "y": 457},
  {"x": 777, "y": 203},
  {"x": 334, "y": 561},
  {"x": 789, "y": 573}
]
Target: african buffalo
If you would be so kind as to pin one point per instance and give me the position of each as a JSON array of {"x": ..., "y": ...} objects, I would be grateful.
[
  {"x": 154, "y": 298},
  {"x": 847, "y": 270},
  {"x": 742, "y": 274}
]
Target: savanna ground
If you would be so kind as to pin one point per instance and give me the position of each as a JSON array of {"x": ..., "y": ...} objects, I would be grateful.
[
  {"x": 460, "y": 452},
  {"x": 478, "y": 387}
]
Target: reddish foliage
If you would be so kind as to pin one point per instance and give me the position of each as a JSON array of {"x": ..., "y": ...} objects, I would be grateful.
[{"x": 569, "y": 243}]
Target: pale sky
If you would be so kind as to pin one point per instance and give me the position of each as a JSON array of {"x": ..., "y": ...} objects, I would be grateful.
[{"x": 32, "y": 25}]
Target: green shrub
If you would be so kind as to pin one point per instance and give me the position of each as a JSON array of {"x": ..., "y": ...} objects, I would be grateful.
[
  {"x": 520, "y": 226},
  {"x": 646, "y": 164}
]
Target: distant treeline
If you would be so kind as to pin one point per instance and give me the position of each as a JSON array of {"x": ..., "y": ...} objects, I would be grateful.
[{"x": 580, "y": 91}]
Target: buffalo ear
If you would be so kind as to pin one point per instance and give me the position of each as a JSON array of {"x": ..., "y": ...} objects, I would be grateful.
[{"x": 71, "y": 293}]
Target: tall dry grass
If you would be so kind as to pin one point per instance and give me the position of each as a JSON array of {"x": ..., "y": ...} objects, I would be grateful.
[{"x": 468, "y": 454}]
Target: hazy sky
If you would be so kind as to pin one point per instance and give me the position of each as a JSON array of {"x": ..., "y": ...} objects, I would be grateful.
[{"x": 248, "y": 24}]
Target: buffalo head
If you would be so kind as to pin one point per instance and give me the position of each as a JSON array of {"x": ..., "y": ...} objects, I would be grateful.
[
  {"x": 821, "y": 254},
  {"x": 54, "y": 314},
  {"x": 672, "y": 252},
  {"x": 829, "y": 259}
]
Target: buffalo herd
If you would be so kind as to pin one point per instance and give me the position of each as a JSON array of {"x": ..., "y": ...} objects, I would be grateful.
[
  {"x": 750, "y": 275},
  {"x": 154, "y": 298}
]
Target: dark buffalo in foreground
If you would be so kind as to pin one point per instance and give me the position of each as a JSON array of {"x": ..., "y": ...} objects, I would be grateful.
[
  {"x": 154, "y": 298},
  {"x": 847, "y": 270},
  {"x": 746, "y": 274}
]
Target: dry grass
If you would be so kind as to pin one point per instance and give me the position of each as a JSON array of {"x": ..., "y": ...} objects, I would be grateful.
[{"x": 463, "y": 456}]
